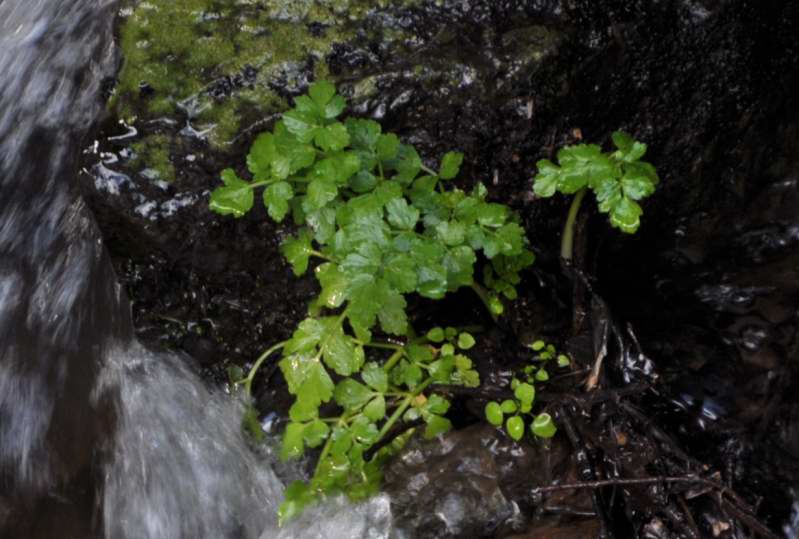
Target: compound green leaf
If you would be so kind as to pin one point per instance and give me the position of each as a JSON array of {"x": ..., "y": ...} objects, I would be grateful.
[{"x": 298, "y": 495}]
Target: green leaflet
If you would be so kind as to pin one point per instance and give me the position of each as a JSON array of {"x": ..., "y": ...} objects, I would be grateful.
[
  {"x": 234, "y": 198},
  {"x": 276, "y": 199},
  {"x": 450, "y": 165}
]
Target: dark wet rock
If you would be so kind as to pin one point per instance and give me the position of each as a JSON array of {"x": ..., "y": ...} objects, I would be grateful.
[{"x": 474, "y": 482}]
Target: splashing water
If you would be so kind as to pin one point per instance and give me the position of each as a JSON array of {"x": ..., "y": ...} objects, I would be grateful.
[{"x": 99, "y": 436}]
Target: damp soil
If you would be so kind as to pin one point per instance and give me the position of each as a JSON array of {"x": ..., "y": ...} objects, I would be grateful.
[{"x": 698, "y": 313}]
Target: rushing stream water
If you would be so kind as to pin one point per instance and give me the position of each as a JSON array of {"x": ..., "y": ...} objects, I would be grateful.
[{"x": 99, "y": 436}]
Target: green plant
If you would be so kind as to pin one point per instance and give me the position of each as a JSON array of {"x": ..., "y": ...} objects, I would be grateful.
[
  {"x": 511, "y": 412},
  {"x": 619, "y": 179},
  {"x": 384, "y": 226}
]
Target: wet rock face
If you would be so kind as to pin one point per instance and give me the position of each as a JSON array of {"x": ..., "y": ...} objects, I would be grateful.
[
  {"x": 447, "y": 488},
  {"x": 473, "y": 482}
]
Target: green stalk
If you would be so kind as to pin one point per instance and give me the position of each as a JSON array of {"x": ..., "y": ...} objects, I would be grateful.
[
  {"x": 393, "y": 359},
  {"x": 482, "y": 293},
  {"x": 401, "y": 409},
  {"x": 251, "y": 375},
  {"x": 429, "y": 170},
  {"x": 567, "y": 239}
]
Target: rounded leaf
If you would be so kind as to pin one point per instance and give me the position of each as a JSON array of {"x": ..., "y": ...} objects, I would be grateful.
[
  {"x": 465, "y": 341},
  {"x": 509, "y": 406},
  {"x": 515, "y": 427},
  {"x": 543, "y": 426},
  {"x": 525, "y": 393},
  {"x": 493, "y": 412}
]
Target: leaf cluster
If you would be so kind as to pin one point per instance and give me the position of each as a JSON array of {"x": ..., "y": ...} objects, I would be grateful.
[
  {"x": 512, "y": 412},
  {"x": 619, "y": 179},
  {"x": 384, "y": 226}
]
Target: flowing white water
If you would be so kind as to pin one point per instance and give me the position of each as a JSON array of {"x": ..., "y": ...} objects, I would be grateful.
[{"x": 100, "y": 437}]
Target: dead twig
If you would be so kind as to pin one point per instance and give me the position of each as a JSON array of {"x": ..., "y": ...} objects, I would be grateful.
[{"x": 732, "y": 503}]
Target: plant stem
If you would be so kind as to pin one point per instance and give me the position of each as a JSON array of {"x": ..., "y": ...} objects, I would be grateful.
[
  {"x": 385, "y": 345},
  {"x": 429, "y": 170},
  {"x": 401, "y": 409},
  {"x": 567, "y": 239},
  {"x": 257, "y": 365},
  {"x": 482, "y": 293},
  {"x": 317, "y": 254},
  {"x": 395, "y": 357}
]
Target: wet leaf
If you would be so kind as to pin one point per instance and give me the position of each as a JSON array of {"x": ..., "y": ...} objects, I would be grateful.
[
  {"x": 450, "y": 165},
  {"x": 234, "y": 198},
  {"x": 276, "y": 200},
  {"x": 543, "y": 426},
  {"x": 493, "y": 413},
  {"x": 465, "y": 341},
  {"x": 515, "y": 427}
]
